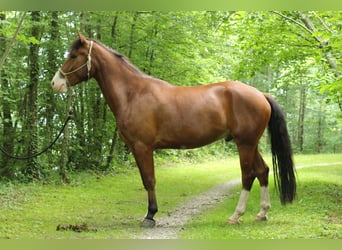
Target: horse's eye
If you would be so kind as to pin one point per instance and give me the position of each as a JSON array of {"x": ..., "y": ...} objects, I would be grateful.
[{"x": 73, "y": 56}]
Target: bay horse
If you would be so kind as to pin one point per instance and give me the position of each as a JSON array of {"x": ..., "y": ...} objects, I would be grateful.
[{"x": 151, "y": 114}]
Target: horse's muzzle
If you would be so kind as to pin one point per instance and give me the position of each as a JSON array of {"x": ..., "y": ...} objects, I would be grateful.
[{"x": 59, "y": 83}]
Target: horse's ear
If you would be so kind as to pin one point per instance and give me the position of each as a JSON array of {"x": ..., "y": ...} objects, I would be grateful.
[{"x": 82, "y": 38}]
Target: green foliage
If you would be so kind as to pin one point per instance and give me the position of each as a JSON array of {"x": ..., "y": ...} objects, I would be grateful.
[{"x": 185, "y": 48}]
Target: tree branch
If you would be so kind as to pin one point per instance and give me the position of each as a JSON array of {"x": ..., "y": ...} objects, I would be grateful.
[
  {"x": 323, "y": 23},
  {"x": 4, "y": 56},
  {"x": 293, "y": 21},
  {"x": 310, "y": 27}
]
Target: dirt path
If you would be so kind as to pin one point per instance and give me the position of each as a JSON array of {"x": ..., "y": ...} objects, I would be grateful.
[{"x": 167, "y": 227}]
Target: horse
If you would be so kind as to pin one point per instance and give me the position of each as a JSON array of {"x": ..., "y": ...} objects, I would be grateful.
[{"x": 154, "y": 114}]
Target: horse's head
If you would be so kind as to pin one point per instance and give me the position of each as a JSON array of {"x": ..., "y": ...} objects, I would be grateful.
[{"x": 76, "y": 68}]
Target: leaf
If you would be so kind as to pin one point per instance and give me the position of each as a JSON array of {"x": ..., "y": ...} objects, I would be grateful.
[
  {"x": 26, "y": 40},
  {"x": 33, "y": 40}
]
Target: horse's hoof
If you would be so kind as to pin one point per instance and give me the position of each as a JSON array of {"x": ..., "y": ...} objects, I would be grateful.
[
  {"x": 148, "y": 223},
  {"x": 261, "y": 218},
  {"x": 233, "y": 221}
]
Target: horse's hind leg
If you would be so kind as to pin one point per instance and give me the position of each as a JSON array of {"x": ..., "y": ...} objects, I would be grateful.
[
  {"x": 247, "y": 155},
  {"x": 261, "y": 171}
]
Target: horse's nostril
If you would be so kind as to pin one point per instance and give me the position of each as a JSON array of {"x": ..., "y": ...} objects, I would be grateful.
[{"x": 53, "y": 83}]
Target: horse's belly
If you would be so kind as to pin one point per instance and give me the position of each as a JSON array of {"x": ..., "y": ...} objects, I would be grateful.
[{"x": 186, "y": 141}]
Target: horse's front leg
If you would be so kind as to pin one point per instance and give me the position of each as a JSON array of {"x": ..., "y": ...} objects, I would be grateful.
[{"x": 144, "y": 159}]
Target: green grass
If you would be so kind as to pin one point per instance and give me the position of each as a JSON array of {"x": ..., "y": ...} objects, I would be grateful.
[
  {"x": 113, "y": 205},
  {"x": 315, "y": 214}
]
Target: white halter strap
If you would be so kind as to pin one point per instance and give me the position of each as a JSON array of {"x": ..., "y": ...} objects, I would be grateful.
[{"x": 87, "y": 63}]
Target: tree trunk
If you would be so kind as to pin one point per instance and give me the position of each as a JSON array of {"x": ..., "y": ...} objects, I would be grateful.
[
  {"x": 112, "y": 148},
  {"x": 8, "y": 129},
  {"x": 65, "y": 145},
  {"x": 302, "y": 102},
  {"x": 115, "y": 21},
  {"x": 150, "y": 50},
  {"x": 51, "y": 67},
  {"x": 320, "y": 127},
  {"x": 7, "y": 125},
  {"x": 32, "y": 168},
  {"x": 131, "y": 37}
]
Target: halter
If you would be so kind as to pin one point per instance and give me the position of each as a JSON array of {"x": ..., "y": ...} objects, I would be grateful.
[{"x": 87, "y": 63}]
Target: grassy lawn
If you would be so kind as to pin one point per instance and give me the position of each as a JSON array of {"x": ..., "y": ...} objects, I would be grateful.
[
  {"x": 112, "y": 206},
  {"x": 317, "y": 212}
]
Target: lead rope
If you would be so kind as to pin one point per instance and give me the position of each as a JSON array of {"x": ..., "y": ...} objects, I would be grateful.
[
  {"x": 45, "y": 149},
  {"x": 88, "y": 64},
  {"x": 69, "y": 117}
]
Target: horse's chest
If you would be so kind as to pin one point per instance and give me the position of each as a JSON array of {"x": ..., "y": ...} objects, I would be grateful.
[{"x": 133, "y": 130}]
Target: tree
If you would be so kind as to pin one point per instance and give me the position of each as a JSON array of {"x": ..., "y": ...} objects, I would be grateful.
[
  {"x": 8, "y": 128},
  {"x": 293, "y": 55},
  {"x": 7, "y": 133},
  {"x": 51, "y": 66},
  {"x": 32, "y": 167},
  {"x": 325, "y": 38}
]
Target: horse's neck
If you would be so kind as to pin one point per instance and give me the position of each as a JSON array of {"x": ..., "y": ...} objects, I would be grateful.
[{"x": 118, "y": 83}]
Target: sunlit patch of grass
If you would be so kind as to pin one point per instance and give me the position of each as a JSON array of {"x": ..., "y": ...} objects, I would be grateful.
[
  {"x": 315, "y": 214},
  {"x": 113, "y": 205}
]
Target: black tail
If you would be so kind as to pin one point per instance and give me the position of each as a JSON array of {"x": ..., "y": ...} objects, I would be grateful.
[{"x": 283, "y": 168}]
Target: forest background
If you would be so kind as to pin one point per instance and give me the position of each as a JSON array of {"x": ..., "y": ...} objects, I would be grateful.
[{"x": 293, "y": 55}]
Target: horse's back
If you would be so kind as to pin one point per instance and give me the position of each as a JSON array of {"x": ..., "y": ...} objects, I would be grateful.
[
  {"x": 167, "y": 116},
  {"x": 198, "y": 115}
]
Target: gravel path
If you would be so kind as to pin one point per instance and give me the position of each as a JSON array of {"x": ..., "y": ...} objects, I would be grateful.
[{"x": 167, "y": 227}]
